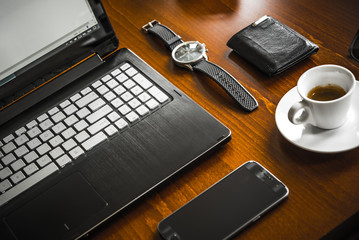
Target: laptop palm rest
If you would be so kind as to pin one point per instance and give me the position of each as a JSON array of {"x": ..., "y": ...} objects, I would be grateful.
[{"x": 57, "y": 211}]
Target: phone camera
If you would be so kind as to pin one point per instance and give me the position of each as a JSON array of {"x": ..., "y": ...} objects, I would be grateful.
[{"x": 174, "y": 236}]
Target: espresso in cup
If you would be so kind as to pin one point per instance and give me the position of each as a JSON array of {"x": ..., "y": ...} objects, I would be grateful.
[{"x": 326, "y": 93}]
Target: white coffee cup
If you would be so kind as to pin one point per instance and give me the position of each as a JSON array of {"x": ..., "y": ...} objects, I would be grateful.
[{"x": 323, "y": 114}]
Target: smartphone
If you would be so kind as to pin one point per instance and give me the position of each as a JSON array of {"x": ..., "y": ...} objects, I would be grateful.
[{"x": 228, "y": 206}]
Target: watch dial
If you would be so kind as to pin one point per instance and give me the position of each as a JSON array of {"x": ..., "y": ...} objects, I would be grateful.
[{"x": 189, "y": 52}]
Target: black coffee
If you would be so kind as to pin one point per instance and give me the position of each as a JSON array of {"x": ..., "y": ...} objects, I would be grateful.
[{"x": 326, "y": 93}]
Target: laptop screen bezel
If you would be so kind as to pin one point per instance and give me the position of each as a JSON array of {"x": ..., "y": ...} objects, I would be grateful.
[{"x": 102, "y": 42}]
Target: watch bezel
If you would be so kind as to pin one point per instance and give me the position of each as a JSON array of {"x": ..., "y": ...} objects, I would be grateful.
[{"x": 203, "y": 54}]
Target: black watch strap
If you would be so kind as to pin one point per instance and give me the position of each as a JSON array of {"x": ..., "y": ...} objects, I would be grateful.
[
  {"x": 170, "y": 38},
  {"x": 228, "y": 83},
  {"x": 218, "y": 74}
]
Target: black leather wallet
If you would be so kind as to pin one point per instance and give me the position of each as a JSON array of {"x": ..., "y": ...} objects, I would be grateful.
[{"x": 271, "y": 45}]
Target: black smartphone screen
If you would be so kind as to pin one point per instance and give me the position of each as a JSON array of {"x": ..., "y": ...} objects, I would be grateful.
[{"x": 225, "y": 208}]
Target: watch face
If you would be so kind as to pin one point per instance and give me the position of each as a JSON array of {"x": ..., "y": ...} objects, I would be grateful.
[{"x": 188, "y": 52}]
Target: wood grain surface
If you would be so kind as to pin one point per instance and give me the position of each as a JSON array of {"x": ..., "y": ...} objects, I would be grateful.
[{"x": 324, "y": 188}]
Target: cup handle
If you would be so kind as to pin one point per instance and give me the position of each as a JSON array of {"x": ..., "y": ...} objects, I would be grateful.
[{"x": 300, "y": 113}]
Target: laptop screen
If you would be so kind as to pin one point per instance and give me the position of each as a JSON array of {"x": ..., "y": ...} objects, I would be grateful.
[
  {"x": 41, "y": 38},
  {"x": 44, "y": 25}
]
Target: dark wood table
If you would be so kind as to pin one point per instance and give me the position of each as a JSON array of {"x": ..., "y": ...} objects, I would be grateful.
[{"x": 324, "y": 188}]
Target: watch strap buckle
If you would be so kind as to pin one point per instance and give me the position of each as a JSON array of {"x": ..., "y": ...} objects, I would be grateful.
[{"x": 149, "y": 25}]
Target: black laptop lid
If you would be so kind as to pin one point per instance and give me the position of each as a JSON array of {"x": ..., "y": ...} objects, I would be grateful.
[{"x": 40, "y": 39}]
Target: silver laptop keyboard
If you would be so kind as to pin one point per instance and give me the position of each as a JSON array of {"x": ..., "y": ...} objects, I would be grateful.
[{"x": 59, "y": 136}]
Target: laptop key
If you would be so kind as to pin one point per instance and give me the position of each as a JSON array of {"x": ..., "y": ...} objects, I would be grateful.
[
  {"x": 70, "y": 109},
  {"x": 53, "y": 111},
  {"x": 122, "y": 77},
  {"x": 97, "y": 84},
  {"x": 57, "y": 129},
  {"x": 136, "y": 90},
  {"x": 113, "y": 116},
  {"x": 17, "y": 177},
  {"x": 43, "y": 161},
  {"x": 115, "y": 72},
  {"x": 31, "y": 157},
  {"x": 152, "y": 104},
  {"x": 71, "y": 120},
  {"x": 20, "y": 131},
  {"x": 116, "y": 102},
  {"x": 103, "y": 89},
  {"x": 63, "y": 160},
  {"x": 33, "y": 132},
  {"x": 76, "y": 152},
  {"x": 44, "y": 148},
  {"x": 30, "y": 169},
  {"x": 144, "y": 97},
  {"x": 93, "y": 141},
  {"x": 106, "y": 78},
  {"x": 131, "y": 71},
  {"x": 124, "y": 109},
  {"x": 28, "y": 182},
  {"x": 58, "y": 117},
  {"x": 69, "y": 144},
  {"x": 110, "y": 96},
  {"x": 86, "y": 99},
  {"x": 142, "y": 110},
  {"x": 99, "y": 114},
  {"x": 125, "y": 66},
  {"x": 82, "y": 136},
  {"x": 121, "y": 124},
  {"x": 21, "y": 140},
  {"x": 46, "y": 124},
  {"x": 158, "y": 94},
  {"x": 68, "y": 133},
  {"x": 65, "y": 104},
  {"x": 75, "y": 97},
  {"x": 96, "y": 104},
  {"x": 86, "y": 91},
  {"x": 98, "y": 126},
  {"x": 119, "y": 90},
  {"x": 4, "y": 173},
  {"x": 79, "y": 126},
  {"x": 57, "y": 152},
  {"x": 8, "y": 138},
  {"x": 17, "y": 165},
  {"x": 127, "y": 96},
  {"x": 31, "y": 124},
  {"x": 8, "y": 159},
  {"x": 21, "y": 151},
  {"x": 83, "y": 112},
  {"x": 5, "y": 185},
  {"x": 57, "y": 140},
  {"x": 111, "y": 130},
  {"x": 112, "y": 84},
  {"x": 140, "y": 79},
  {"x": 42, "y": 117},
  {"x": 129, "y": 84},
  {"x": 36, "y": 142},
  {"x": 132, "y": 117}
]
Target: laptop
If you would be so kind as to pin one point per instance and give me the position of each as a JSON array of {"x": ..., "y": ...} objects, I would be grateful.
[{"x": 86, "y": 127}]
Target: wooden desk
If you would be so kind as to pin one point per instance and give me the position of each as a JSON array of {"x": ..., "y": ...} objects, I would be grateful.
[{"x": 324, "y": 188}]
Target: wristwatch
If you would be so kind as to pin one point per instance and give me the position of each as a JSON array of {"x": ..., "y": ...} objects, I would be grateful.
[{"x": 192, "y": 55}]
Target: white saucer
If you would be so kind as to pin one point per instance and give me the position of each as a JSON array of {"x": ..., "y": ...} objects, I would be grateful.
[{"x": 316, "y": 139}]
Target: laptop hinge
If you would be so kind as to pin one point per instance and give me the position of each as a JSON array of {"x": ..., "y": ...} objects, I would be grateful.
[{"x": 49, "y": 87}]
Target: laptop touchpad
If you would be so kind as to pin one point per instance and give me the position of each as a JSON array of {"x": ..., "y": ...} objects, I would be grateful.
[{"x": 57, "y": 211}]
